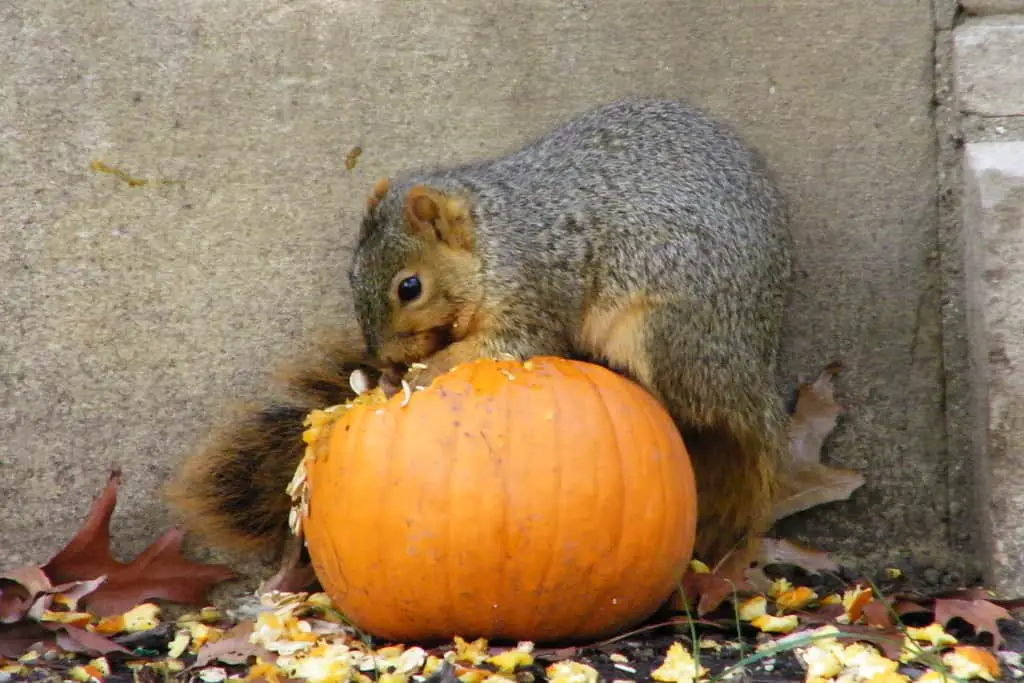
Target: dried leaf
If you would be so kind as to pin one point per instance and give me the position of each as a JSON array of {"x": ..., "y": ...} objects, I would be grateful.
[
  {"x": 705, "y": 592},
  {"x": 160, "y": 572},
  {"x": 555, "y": 654},
  {"x": 743, "y": 572},
  {"x": 26, "y": 593},
  {"x": 814, "y": 417},
  {"x": 983, "y": 615},
  {"x": 87, "y": 554},
  {"x": 806, "y": 486},
  {"x": 233, "y": 647},
  {"x": 902, "y": 607},
  {"x": 73, "y": 592},
  {"x": 806, "y": 482},
  {"x": 780, "y": 551},
  {"x": 876, "y": 614},
  {"x": 293, "y": 575},
  {"x": 74, "y": 639},
  {"x": 982, "y": 594},
  {"x": 17, "y": 639},
  {"x": 19, "y": 589}
]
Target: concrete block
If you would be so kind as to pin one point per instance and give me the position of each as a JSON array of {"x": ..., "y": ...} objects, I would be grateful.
[
  {"x": 132, "y": 313},
  {"x": 988, "y": 55},
  {"x": 993, "y": 6},
  {"x": 994, "y": 253}
]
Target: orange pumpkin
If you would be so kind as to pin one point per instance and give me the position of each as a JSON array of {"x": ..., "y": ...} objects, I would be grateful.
[{"x": 550, "y": 500}]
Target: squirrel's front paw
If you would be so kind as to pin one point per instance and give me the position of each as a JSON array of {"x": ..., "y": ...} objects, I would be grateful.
[{"x": 422, "y": 374}]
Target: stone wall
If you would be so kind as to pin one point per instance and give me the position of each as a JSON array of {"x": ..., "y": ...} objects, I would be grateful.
[
  {"x": 988, "y": 59},
  {"x": 133, "y": 312}
]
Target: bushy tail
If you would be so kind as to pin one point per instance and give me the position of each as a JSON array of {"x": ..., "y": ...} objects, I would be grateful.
[{"x": 231, "y": 491}]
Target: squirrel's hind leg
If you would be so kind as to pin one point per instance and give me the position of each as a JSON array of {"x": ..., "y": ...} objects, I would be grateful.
[{"x": 722, "y": 396}]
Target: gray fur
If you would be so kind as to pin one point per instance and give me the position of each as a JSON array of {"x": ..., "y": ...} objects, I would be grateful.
[{"x": 638, "y": 195}]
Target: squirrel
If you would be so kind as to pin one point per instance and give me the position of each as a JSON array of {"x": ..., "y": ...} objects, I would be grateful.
[{"x": 641, "y": 234}]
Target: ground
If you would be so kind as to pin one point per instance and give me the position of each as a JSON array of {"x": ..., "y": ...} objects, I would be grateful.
[{"x": 631, "y": 657}]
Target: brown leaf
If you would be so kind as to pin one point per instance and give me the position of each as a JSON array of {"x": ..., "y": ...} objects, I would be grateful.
[
  {"x": 233, "y": 648},
  {"x": 293, "y": 575},
  {"x": 17, "y": 639},
  {"x": 804, "y": 486},
  {"x": 160, "y": 572},
  {"x": 902, "y": 607},
  {"x": 742, "y": 572},
  {"x": 806, "y": 482},
  {"x": 19, "y": 589},
  {"x": 983, "y": 615},
  {"x": 814, "y": 416},
  {"x": 876, "y": 614},
  {"x": 87, "y": 554},
  {"x": 782, "y": 551},
  {"x": 26, "y": 592},
  {"x": 705, "y": 592},
  {"x": 74, "y": 639},
  {"x": 76, "y": 590},
  {"x": 555, "y": 653},
  {"x": 982, "y": 594}
]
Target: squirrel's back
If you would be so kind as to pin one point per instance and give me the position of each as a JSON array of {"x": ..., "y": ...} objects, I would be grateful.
[
  {"x": 632, "y": 157},
  {"x": 656, "y": 177}
]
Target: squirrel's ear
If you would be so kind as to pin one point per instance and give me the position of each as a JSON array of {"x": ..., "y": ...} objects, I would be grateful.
[
  {"x": 377, "y": 193},
  {"x": 433, "y": 215}
]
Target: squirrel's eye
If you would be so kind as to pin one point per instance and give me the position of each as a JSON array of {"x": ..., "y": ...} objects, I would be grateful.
[{"x": 410, "y": 288}]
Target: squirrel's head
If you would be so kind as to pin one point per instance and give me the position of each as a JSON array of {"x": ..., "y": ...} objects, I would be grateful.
[{"x": 415, "y": 275}]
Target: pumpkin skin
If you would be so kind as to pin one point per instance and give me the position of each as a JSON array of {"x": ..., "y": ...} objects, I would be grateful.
[{"x": 551, "y": 501}]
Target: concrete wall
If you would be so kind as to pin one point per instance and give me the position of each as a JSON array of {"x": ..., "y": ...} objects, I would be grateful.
[
  {"x": 131, "y": 313},
  {"x": 988, "y": 75}
]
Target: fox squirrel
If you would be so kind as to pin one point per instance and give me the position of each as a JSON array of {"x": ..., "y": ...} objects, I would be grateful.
[{"x": 641, "y": 235}]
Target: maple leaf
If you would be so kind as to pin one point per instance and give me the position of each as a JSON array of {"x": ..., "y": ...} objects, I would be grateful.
[
  {"x": 160, "y": 572},
  {"x": 983, "y": 615},
  {"x": 975, "y": 606},
  {"x": 806, "y": 482}
]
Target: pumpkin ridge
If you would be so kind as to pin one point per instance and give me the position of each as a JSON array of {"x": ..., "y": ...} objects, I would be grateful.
[
  {"x": 451, "y": 580},
  {"x": 507, "y": 484},
  {"x": 529, "y": 401},
  {"x": 556, "y": 522},
  {"x": 663, "y": 473},
  {"x": 662, "y": 424},
  {"x": 489, "y": 467},
  {"x": 616, "y": 430},
  {"x": 591, "y": 376}
]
